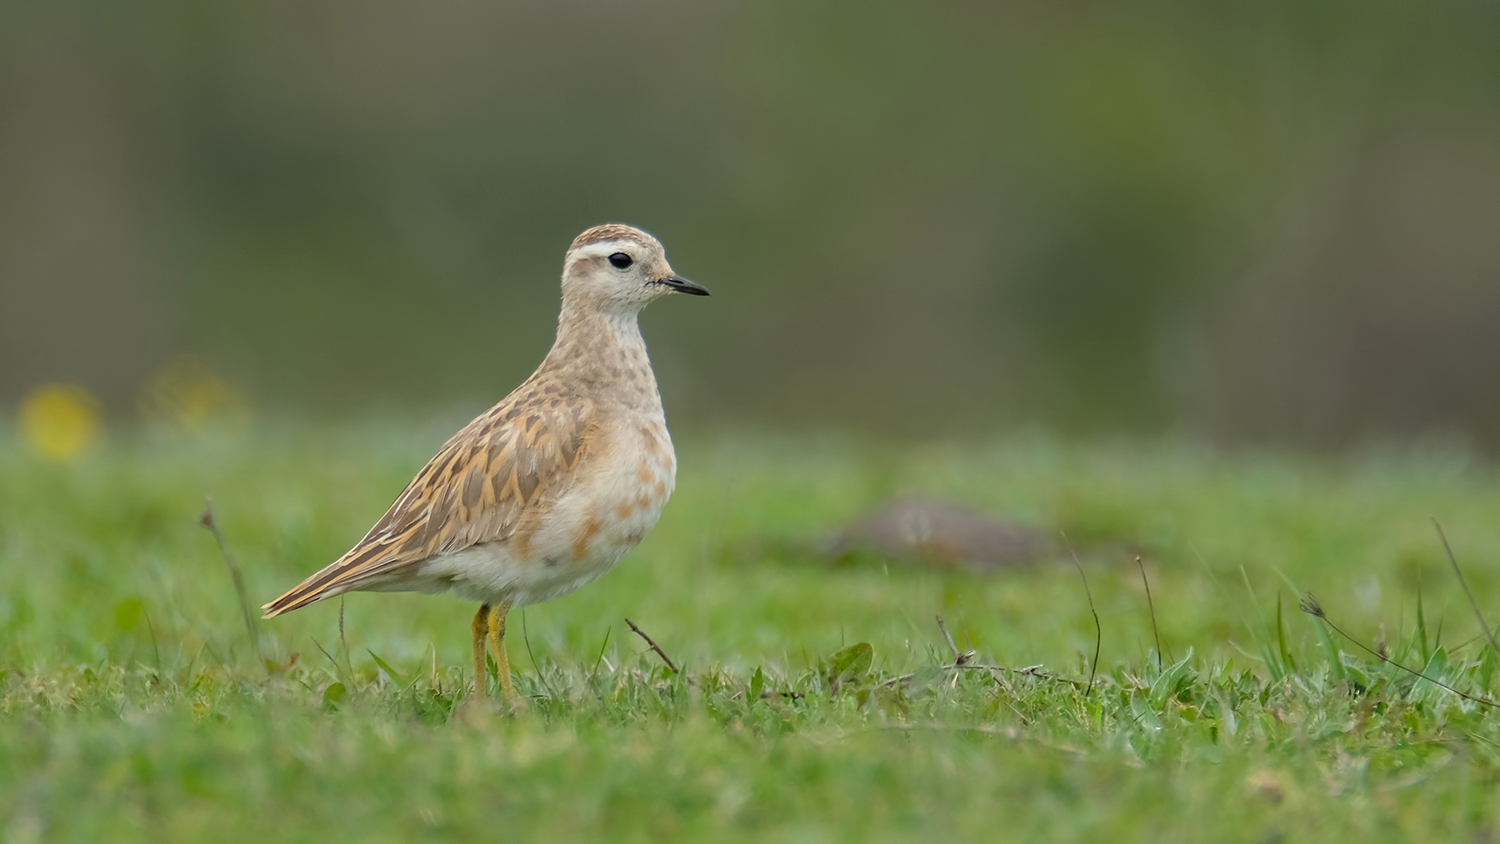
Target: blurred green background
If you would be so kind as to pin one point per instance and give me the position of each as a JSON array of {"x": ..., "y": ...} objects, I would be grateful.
[{"x": 1272, "y": 221}]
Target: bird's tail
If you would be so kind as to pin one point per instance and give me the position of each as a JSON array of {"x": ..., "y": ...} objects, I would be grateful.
[{"x": 324, "y": 584}]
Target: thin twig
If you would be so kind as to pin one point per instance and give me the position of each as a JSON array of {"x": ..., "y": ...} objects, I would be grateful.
[
  {"x": 343, "y": 642},
  {"x": 1311, "y": 606},
  {"x": 1028, "y": 671},
  {"x": 206, "y": 518},
  {"x": 1465, "y": 584},
  {"x": 959, "y": 657},
  {"x": 659, "y": 652},
  {"x": 768, "y": 694},
  {"x": 1098, "y": 630},
  {"x": 1150, "y": 605}
]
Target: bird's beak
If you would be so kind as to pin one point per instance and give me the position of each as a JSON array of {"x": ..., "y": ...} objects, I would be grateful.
[{"x": 682, "y": 285}]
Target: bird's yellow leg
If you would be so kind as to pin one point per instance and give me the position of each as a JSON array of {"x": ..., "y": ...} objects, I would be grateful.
[
  {"x": 502, "y": 661},
  {"x": 481, "y": 624}
]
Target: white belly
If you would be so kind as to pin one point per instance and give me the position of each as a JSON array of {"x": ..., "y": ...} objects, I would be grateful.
[{"x": 584, "y": 533}]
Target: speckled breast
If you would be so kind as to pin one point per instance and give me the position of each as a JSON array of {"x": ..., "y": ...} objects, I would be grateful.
[
  {"x": 604, "y": 519},
  {"x": 644, "y": 475}
]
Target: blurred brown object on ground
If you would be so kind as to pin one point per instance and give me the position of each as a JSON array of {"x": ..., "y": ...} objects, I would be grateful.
[{"x": 941, "y": 534}]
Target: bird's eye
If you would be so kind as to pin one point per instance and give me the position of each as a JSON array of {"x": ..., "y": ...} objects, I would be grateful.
[{"x": 620, "y": 260}]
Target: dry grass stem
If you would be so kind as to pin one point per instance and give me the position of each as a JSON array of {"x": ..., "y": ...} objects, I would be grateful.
[
  {"x": 207, "y": 519},
  {"x": 1150, "y": 605},
  {"x": 1453, "y": 560},
  {"x": 655, "y": 647},
  {"x": 1098, "y": 630}
]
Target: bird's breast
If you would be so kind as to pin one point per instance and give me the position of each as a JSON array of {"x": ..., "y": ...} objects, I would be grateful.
[
  {"x": 628, "y": 477},
  {"x": 638, "y": 477}
]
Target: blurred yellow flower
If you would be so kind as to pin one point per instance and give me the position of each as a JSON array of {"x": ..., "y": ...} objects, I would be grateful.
[
  {"x": 60, "y": 420},
  {"x": 188, "y": 394}
]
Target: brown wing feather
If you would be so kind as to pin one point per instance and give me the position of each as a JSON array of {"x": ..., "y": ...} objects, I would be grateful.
[{"x": 479, "y": 488}]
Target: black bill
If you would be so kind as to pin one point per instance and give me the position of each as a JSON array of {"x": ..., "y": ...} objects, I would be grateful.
[{"x": 682, "y": 285}]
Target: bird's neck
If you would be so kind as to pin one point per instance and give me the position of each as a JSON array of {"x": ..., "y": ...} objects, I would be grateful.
[{"x": 603, "y": 353}]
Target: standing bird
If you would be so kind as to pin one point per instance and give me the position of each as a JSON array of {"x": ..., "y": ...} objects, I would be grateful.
[{"x": 551, "y": 487}]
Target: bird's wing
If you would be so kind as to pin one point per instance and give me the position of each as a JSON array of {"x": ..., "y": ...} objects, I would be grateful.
[{"x": 488, "y": 483}]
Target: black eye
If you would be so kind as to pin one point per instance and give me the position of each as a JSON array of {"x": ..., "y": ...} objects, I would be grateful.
[{"x": 620, "y": 260}]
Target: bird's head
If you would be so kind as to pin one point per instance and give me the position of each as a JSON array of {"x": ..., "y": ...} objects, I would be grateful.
[{"x": 620, "y": 268}]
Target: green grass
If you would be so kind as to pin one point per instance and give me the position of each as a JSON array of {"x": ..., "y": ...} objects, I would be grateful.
[{"x": 132, "y": 706}]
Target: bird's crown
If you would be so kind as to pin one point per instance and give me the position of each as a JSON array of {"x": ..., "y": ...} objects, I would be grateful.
[{"x": 615, "y": 231}]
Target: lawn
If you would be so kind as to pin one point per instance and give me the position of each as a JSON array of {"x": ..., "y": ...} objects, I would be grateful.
[{"x": 816, "y": 700}]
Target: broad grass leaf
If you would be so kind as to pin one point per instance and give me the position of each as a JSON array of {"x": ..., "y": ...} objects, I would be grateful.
[
  {"x": 849, "y": 663},
  {"x": 1170, "y": 681},
  {"x": 334, "y": 695},
  {"x": 1145, "y": 715},
  {"x": 389, "y": 671}
]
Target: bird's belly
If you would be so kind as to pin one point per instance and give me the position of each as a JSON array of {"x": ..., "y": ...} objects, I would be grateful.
[
  {"x": 490, "y": 575},
  {"x": 585, "y": 533}
]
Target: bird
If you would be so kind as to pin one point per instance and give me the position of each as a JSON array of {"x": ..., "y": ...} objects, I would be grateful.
[{"x": 550, "y": 488}]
